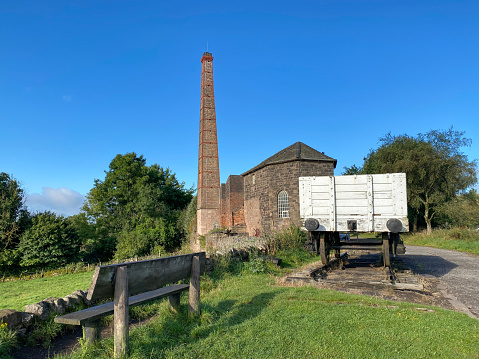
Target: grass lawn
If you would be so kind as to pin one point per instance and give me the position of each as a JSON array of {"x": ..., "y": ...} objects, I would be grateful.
[
  {"x": 16, "y": 295},
  {"x": 248, "y": 316}
]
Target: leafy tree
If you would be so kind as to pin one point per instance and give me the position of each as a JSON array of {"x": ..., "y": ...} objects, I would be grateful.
[
  {"x": 95, "y": 244},
  {"x": 437, "y": 171},
  {"x": 11, "y": 210},
  {"x": 51, "y": 241},
  {"x": 462, "y": 211},
  {"x": 151, "y": 236},
  {"x": 187, "y": 219},
  {"x": 353, "y": 170},
  {"x": 132, "y": 199}
]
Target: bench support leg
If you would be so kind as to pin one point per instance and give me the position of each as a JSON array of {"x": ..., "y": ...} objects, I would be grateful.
[
  {"x": 194, "y": 302},
  {"x": 91, "y": 331},
  {"x": 175, "y": 303},
  {"x": 121, "y": 324}
]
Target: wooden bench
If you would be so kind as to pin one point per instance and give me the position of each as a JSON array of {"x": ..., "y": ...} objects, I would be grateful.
[{"x": 136, "y": 283}]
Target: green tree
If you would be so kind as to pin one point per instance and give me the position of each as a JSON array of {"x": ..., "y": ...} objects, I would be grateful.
[
  {"x": 11, "y": 206},
  {"x": 51, "y": 241},
  {"x": 187, "y": 219},
  {"x": 136, "y": 195},
  {"x": 462, "y": 211},
  {"x": 95, "y": 244},
  {"x": 437, "y": 170},
  {"x": 353, "y": 170}
]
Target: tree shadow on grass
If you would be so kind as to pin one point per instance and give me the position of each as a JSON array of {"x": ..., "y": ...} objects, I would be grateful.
[
  {"x": 179, "y": 330},
  {"x": 227, "y": 314}
]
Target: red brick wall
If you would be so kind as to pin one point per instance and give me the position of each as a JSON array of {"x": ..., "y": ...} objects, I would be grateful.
[
  {"x": 208, "y": 210},
  {"x": 232, "y": 202}
]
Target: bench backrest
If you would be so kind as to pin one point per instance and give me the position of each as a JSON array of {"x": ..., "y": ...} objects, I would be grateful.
[{"x": 144, "y": 276}]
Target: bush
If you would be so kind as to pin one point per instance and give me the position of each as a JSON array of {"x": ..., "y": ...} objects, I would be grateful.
[
  {"x": 187, "y": 219},
  {"x": 462, "y": 211},
  {"x": 256, "y": 263},
  {"x": 51, "y": 241},
  {"x": 292, "y": 237},
  {"x": 147, "y": 238},
  {"x": 8, "y": 340}
]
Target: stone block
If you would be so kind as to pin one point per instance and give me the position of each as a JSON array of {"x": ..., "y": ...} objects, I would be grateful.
[
  {"x": 27, "y": 319},
  {"x": 12, "y": 318},
  {"x": 40, "y": 309}
]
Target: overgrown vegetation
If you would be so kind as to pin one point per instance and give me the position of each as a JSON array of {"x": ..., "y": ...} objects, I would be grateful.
[
  {"x": 290, "y": 238},
  {"x": 8, "y": 340}
]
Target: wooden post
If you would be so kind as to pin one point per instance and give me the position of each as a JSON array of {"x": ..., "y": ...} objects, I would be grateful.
[
  {"x": 386, "y": 258},
  {"x": 175, "y": 303},
  {"x": 91, "y": 331},
  {"x": 121, "y": 324},
  {"x": 194, "y": 302},
  {"x": 315, "y": 236}
]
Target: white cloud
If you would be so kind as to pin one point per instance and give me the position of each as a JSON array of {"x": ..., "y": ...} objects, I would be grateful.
[{"x": 63, "y": 201}]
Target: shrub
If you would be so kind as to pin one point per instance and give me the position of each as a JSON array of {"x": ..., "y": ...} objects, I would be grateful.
[
  {"x": 8, "y": 340},
  {"x": 256, "y": 263},
  {"x": 187, "y": 219},
  {"x": 51, "y": 241},
  {"x": 292, "y": 237},
  {"x": 147, "y": 238}
]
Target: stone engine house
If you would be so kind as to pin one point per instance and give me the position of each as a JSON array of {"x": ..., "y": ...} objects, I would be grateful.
[
  {"x": 261, "y": 200},
  {"x": 266, "y": 198}
]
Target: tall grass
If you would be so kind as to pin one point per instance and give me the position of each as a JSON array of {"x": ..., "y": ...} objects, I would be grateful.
[
  {"x": 458, "y": 239},
  {"x": 292, "y": 237}
]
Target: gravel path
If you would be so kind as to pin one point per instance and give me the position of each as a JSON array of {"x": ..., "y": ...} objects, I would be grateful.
[{"x": 457, "y": 272}]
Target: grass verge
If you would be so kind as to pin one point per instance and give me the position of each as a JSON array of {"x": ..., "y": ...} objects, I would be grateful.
[
  {"x": 458, "y": 239},
  {"x": 16, "y": 295},
  {"x": 248, "y": 316}
]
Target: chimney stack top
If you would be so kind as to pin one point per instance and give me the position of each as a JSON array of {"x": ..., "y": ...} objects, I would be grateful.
[{"x": 208, "y": 56}]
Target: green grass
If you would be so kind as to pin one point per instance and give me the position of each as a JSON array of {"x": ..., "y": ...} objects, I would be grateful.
[
  {"x": 247, "y": 316},
  {"x": 16, "y": 295},
  {"x": 458, "y": 239}
]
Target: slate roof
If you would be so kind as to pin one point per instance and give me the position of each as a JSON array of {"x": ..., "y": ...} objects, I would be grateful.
[{"x": 296, "y": 152}]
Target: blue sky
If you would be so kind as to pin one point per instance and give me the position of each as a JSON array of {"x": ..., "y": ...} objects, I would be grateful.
[{"x": 81, "y": 81}]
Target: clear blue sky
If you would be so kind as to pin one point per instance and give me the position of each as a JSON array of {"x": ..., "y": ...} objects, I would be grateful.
[{"x": 81, "y": 81}]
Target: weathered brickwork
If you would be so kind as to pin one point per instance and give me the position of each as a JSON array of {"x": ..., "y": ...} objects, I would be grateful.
[
  {"x": 208, "y": 210},
  {"x": 232, "y": 204},
  {"x": 261, "y": 198}
]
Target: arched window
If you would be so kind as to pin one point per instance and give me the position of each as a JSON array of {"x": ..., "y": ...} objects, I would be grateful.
[{"x": 283, "y": 205}]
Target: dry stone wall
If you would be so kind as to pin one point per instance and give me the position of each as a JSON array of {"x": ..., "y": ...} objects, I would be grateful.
[{"x": 22, "y": 321}]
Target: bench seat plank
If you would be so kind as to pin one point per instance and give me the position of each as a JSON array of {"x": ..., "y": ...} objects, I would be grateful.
[{"x": 100, "y": 311}]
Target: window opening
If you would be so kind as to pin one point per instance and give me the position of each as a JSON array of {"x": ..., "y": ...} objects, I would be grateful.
[{"x": 283, "y": 204}]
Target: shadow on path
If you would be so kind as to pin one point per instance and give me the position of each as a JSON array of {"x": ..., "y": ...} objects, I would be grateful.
[{"x": 428, "y": 264}]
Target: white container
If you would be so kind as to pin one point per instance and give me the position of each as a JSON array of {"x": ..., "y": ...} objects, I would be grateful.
[{"x": 358, "y": 203}]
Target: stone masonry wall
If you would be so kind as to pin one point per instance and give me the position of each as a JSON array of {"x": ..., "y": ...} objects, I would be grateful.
[{"x": 261, "y": 198}]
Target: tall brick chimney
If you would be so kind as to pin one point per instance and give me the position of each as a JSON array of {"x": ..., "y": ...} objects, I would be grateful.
[{"x": 208, "y": 210}]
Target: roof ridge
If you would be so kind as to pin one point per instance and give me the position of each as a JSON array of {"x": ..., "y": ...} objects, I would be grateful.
[{"x": 296, "y": 152}]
